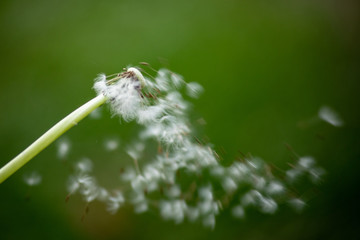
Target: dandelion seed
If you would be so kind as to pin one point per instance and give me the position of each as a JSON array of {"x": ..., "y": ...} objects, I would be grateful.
[
  {"x": 84, "y": 166},
  {"x": 63, "y": 148},
  {"x": 73, "y": 184},
  {"x": 306, "y": 162},
  {"x": 150, "y": 114},
  {"x": 100, "y": 84},
  {"x": 297, "y": 204},
  {"x": 217, "y": 171},
  {"x": 141, "y": 208},
  {"x": 229, "y": 185},
  {"x": 206, "y": 193},
  {"x": 174, "y": 191},
  {"x": 209, "y": 221},
  {"x": 293, "y": 174},
  {"x": 192, "y": 213},
  {"x": 177, "y": 80},
  {"x": 32, "y": 179},
  {"x": 111, "y": 144},
  {"x": 128, "y": 174},
  {"x": 103, "y": 194},
  {"x": 316, "y": 174},
  {"x": 135, "y": 150},
  {"x": 268, "y": 205},
  {"x": 250, "y": 198},
  {"x": 275, "y": 188},
  {"x": 238, "y": 212},
  {"x": 161, "y": 80},
  {"x": 194, "y": 89},
  {"x": 88, "y": 188},
  {"x": 259, "y": 182},
  {"x": 115, "y": 202},
  {"x": 173, "y": 210},
  {"x": 139, "y": 183},
  {"x": 330, "y": 116}
]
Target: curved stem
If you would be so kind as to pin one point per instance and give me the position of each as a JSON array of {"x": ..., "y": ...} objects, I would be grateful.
[{"x": 50, "y": 136}]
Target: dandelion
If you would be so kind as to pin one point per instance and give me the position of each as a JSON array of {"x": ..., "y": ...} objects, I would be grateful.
[{"x": 162, "y": 112}]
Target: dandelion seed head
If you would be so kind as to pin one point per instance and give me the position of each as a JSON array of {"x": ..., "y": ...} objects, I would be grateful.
[{"x": 160, "y": 109}]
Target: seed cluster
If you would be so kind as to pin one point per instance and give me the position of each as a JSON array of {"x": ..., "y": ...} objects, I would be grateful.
[{"x": 184, "y": 179}]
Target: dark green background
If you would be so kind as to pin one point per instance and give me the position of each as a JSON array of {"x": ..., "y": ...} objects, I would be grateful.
[{"x": 266, "y": 66}]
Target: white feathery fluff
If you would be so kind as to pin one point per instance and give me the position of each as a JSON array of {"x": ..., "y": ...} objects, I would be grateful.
[{"x": 159, "y": 107}]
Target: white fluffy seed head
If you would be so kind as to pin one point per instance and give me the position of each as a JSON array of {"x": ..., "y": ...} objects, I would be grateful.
[{"x": 159, "y": 107}]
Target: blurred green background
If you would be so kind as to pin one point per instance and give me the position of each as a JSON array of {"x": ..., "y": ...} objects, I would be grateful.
[{"x": 266, "y": 66}]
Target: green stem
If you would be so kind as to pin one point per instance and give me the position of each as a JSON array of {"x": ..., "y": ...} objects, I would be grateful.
[{"x": 51, "y": 135}]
